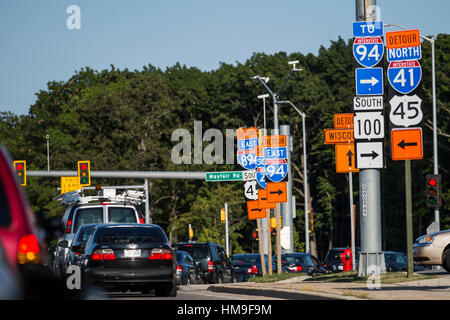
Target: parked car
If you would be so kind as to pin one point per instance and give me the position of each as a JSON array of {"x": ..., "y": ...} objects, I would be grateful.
[
  {"x": 212, "y": 260},
  {"x": 299, "y": 262},
  {"x": 333, "y": 262},
  {"x": 187, "y": 271},
  {"x": 398, "y": 261},
  {"x": 73, "y": 256},
  {"x": 126, "y": 257},
  {"x": 433, "y": 249},
  {"x": 79, "y": 214},
  {"x": 10, "y": 288},
  {"x": 248, "y": 265}
]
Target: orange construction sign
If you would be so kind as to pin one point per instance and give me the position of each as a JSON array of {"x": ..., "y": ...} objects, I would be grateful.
[
  {"x": 275, "y": 141},
  {"x": 345, "y": 158},
  {"x": 343, "y": 121},
  {"x": 253, "y": 210},
  {"x": 276, "y": 192},
  {"x": 406, "y": 144},
  {"x": 403, "y": 39},
  {"x": 262, "y": 199},
  {"x": 333, "y": 136},
  {"x": 246, "y": 133}
]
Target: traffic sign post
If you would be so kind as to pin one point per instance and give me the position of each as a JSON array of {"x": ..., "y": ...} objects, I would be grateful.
[
  {"x": 368, "y": 51},
  {"x": 345, "y": 158},
  {"x": 406, "y": 111},
  {"x": 369, "y": 81},
  {"x": 253, "y": 210},
  {"x": 404, "y": 76},
  {"x": 406, "y": 144},
  {"x": 334, "y": 136}
]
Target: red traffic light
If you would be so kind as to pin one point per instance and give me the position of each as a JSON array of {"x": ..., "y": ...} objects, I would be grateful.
[
  {"x": 83, "y": 166},
  {"x": 432, "y": 182},
  {"x": 19, "y": 166}
]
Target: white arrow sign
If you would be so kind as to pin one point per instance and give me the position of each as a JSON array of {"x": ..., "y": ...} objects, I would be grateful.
[
  {"x": 373, "y": 81},
  {"x": 369, "y": 155}
]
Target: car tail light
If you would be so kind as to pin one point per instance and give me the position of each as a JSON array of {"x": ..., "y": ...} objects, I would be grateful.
[
  {"x": 69, "y": 226},
  {"x": 252, "y": 270},
  {"x": 210, "y": 266},
  {"x": 297, "y": 268},
  {"x": 160, "y": 254},
  {"x": 141, "y": 220},
  {"x": 179, "y": 268},
  {"x": 28, "y": 249},
  {"x": 103, "y": 254}
]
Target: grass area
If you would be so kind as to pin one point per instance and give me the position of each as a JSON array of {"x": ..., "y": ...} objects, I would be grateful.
[{"x": 350, "y": 276}]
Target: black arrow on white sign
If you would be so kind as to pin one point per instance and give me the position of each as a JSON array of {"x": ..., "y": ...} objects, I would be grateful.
[
  {"x": 368, "y": 155},
  {"x": 404, "y": 144}
]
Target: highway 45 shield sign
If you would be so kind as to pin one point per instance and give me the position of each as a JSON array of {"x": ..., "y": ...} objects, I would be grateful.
[
  {"x": 405, "y": 111},
  {"x": 404, "y": 76},
  {"x": 368, "y": 51},
  {"x": 276, "y": 169}
]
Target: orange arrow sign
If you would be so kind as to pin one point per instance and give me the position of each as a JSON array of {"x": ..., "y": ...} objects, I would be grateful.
[
  {"x": 276, "y": 192},
  {"x": 262, "y": 198},
  {"x": 345, "y": 158},
  {"x": 406, "y": 144},
  {"x": 253, "y": 210}
]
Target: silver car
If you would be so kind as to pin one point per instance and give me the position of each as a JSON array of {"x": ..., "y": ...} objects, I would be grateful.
[{"x": 433, "y": 249}]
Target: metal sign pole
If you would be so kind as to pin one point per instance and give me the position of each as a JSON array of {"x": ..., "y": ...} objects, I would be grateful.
[{"x": 226, "y": 231}]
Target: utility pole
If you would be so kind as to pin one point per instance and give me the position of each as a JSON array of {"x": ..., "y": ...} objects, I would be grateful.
[
  {"x": 227, "y": 241},
  {"x": 48, "y": 152},
  {"x": 371, "y": 256}
]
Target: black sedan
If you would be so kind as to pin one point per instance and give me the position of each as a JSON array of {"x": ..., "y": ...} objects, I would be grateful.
[
  {"x": 134, "y": 257},
  {"x": 187, "y": 271},
  {"x": 299, "y": 262},
  {"x": 248, "y": 265},
  {"x": 398, "y": 261},
  {"x": 79, "y": 242}
]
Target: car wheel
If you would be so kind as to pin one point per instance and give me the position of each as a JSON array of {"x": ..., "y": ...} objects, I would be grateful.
[
  {"x": 167, "y": 291},
  {"x": 446, "y": 260}
]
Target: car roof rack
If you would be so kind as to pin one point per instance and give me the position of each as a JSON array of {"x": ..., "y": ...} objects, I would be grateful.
[{"x": 76, "y": 197}]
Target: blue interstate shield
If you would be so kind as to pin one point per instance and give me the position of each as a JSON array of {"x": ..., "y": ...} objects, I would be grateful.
[
  {"x": 247, "y": 159},
  {"x": 276, "y": 169},
  {"x": 404, "y": 76}
]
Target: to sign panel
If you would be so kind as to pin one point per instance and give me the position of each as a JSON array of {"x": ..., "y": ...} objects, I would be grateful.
[
  {"x": 369, "y": 81},
  {"x": 368, "y": 29},
  {"x": 369, "y": 125},
  {"x": 404, "y": 76},
  {"x": 368, "y": 51}
]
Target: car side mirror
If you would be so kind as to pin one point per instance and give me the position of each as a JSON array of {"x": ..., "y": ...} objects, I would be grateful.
[{"x": 63, "y": 244}]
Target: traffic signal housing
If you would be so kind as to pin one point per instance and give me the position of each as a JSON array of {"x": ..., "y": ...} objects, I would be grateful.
[
  {"x": 84, "y": 173},
  {"x": 433, "y": 190},
  {"x": 20, "y": 168}
]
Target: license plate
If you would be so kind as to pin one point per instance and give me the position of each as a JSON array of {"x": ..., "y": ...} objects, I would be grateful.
[{"x": 132, "y": 253}]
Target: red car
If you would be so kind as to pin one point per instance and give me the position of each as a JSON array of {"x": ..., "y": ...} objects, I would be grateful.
[{"x": 18, "y": 231}]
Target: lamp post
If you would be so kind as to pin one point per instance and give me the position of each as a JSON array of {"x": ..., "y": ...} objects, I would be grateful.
[
  {"x": 305, "y": 174},
  {"x": 48, "y": 152},
  {"x": 433, "y": 77}
]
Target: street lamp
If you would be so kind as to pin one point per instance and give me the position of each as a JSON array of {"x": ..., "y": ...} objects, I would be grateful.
[
  {"x": 435, "y": 149},
  {"x": 264, "y": 96},
  {"x": 305, "y": 174},
  {"x": 48, "y": 152}
]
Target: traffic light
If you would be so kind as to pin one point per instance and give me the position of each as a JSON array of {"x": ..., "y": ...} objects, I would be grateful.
[
  {"x": 311, "y": 221},
  {"x": 222, "y": 215},
  {"x": 191, "y": 233},
  {"x": 255, "y": 234},
  {"x": 84, "y": 173},
  {"x": 20, "y": 167},
  {"x": 433, "y": 190}
]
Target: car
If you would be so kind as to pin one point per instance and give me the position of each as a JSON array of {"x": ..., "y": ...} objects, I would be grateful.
[
  {"x": 333, "y": 262},
  {"x": 10, "y": 288},
  {"x": 398, "y": 261},
  {"x": 299, "y": 262},
  {"x": 81, "y": 211},
  {"x": 187, "y": 272},
  {"x": 212, "y": 260},
  {"x": 433, "y": 249},
  {"x": 79, "y": 242},
  {"x": 248, "y": 265},
  {"x": 19, "y": 233},
  {"x": 136, "y": 257}
]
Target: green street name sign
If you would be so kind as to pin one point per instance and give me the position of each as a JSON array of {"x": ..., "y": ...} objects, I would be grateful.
[{"x": 224, "y": 176}]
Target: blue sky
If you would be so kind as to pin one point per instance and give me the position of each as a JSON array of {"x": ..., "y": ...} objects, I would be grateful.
[{"x": 37, "y": 47}]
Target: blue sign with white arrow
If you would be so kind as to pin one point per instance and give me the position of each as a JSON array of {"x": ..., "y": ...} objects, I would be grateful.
[
  {"x": 368, "y": 29},
  {"x": 369, "y": 81},
  {"x": 404, "y": 76}
]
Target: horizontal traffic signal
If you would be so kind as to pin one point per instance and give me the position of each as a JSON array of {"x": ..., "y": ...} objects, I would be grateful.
[{"x": 20, "y": 167}]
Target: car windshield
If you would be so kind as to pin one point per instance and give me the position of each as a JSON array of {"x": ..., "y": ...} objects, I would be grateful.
[
  {"x": 121, "y": 215},
  {"x": 125, "y": 235},
  {"x": 87, "y": 216},
  {"x": 197, "y": 252},
  {"x": 244, "y": 258},
  {"x": 83, "y": 234}
]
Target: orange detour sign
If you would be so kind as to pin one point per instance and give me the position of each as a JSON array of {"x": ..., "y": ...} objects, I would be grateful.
[
  {"x": 275, "y": 141},
  {"x": 403, "y": 39},
  {"x": 334, "y": 136},
  {"x": 343, "y": 121},
  {"x": 246, "y": 133},
  {"x": 345, "y": 158},
  {"x": 407, "y": 144},
  {"x": 276, "y": 192},
  {"x": 262, "y": 199},
  {"x": 253, "y": 210}
]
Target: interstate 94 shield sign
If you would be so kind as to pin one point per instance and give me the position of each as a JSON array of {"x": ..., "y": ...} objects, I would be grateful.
[{"x": 276, "y": 169}]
